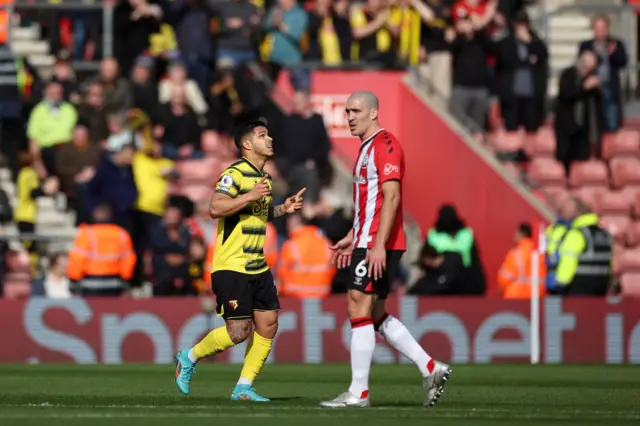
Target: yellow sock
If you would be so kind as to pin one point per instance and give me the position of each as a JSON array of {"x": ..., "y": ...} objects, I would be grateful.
[
  {"x": 215, "y": 342},
  {"x": 257, "y": 352},
  {"x": 249, "y": 345}
]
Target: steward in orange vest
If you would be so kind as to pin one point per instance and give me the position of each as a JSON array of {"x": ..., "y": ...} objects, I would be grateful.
[
  {"x": 102, "y": 259},
  {"x": 304, "y": 269},
  {"x": 515, "y": 275}
]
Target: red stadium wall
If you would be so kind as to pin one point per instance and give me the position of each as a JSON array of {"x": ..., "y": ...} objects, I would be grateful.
[
  {"x": 459, "y": 330},
  {"x": 440, "y": 166}
]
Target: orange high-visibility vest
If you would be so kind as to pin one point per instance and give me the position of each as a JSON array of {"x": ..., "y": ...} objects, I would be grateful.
[
  {"x": 514, "y": 277},
  {"x": 271, "y": 246},
  {"x": 101, "y": 251},
  {"x": 305, "y": 269},
  {"x": 5, "y": 15}
]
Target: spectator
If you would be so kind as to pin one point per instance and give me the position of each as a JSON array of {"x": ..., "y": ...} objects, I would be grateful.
[
  {"x": 51, "y": 123},
  {"x": 435, "y": 50},
  {"x": 55, "y": 284},
  {"x": 179, "y": 128},
  {"x": 286, "y": 25},
  {"x": 579, "y": 114},
  {"x": 329, "y": 32},
  {"x": 63, "y": 73},
  {"x": 201, "y": 225},
  {"x": 74, "y": 159},
  {"x": 113, "y": 185},
  {"x": 118, "y": 95},
  {"x": 102, "y": 260},
  {"x": 304, "y": 269},
  {"x": 170, "y": 246},
  {"x": 375, "y": 33},
  {"x": 612, "y": 58},
  {"x": 515, "y": 277},
  {"x": 29, "y": 188},
  {"x": 145, "y": 89},
  {"x": 239, "y": 26},
  {"x": 134, "y": 23},
  {"x": 6, "y": 210},
  {"x": 303, "y": 148},
  {"x": 585, "y": 253},
  {"x": 440, "y": 273},
  {"x": 93, "y": 112},
  {"x": 200, "y": 283},
  {"x": 152, "y": 175},
  {"x": 120, "y": 134},
  {"x": 191, "y": 20},
  {"x": 522, "y": 68},
  {"x": 450, "y": 234},
  {"x": 470, "y": 48},
  {"x": 178, "y": 78}
]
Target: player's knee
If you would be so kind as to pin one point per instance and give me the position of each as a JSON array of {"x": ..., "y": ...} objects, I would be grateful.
[
  {"x": 359, "y": 304},
  {"x": 239, "y": 330},
  {"x": 266, "y": 324}
]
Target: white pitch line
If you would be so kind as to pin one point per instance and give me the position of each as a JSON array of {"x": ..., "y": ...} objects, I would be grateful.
[
  {"x": 354, "y": 414},
  {"x": 437, "y": 412}
]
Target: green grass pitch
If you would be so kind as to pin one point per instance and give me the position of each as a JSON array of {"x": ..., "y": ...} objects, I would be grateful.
[{"x": 141, "y": 395}]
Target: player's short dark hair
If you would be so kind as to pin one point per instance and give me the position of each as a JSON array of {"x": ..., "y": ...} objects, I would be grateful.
[
  {"x": 525, "y": 230},
  {"x": 246, "y": 129}
]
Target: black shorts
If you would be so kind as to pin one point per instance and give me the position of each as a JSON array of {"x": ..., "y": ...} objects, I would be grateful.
[
  {"x": 238, "y": 294},
  {"x": 359, "y": 279}
]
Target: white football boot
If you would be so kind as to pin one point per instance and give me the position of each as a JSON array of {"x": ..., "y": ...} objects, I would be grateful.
[
  {"x": 346, "y": 399},
  {"x": 434, "y": 384}
]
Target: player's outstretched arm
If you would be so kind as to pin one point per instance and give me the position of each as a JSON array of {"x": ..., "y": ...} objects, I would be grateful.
[
  {"x": 291, "y": 205},
  {"x": 224, "y": 204}
]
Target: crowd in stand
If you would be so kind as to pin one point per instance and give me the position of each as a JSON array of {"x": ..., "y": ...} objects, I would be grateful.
[{"x": 182, "y": 76}]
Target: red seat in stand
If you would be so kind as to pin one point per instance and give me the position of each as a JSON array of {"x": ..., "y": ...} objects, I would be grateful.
[
  {"x": 547, "y": 172},
  {"x": 18, "y": 261},
  {"x": 508, "y": 141},
  {"x": 212, "y": 143},
  {"x": 633, "y": 234},
  {"x": 630, "y": 284},
  {"x": 589, "y": 195},
  {"x": 624, "y": 143},
  {"x": 614, "y": 202},
  {"x": 541, "y": 144},
  {"x": 197, "y": 170},
  {"x": 17, "y": 285},
  {"x": 556, "y": 196},
  {"x": 628, "y": 260},
  {"x": 589, "y": 173},
  {"x": 625, "y": 171},
  {"x": 197, "y": 192},
  {"x": 616, "y": 225}
]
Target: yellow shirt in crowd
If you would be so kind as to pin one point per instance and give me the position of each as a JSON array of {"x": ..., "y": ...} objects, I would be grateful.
[
  {"x": 26, "y": 207},
  {"x": 152, "y": 185}
]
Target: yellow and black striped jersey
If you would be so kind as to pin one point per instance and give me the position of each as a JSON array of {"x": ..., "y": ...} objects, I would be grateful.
[{"x": 241, "y": 236}]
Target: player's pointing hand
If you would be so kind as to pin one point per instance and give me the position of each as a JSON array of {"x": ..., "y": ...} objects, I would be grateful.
[
  {"x": 294, "y": 203},
  {"x": 260, "y": 190}
]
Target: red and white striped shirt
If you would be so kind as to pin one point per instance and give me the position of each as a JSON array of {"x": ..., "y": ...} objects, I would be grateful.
[{"x": 381, "y": 159}]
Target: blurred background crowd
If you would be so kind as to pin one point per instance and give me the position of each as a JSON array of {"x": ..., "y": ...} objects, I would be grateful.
[{"x": 121, "y": 159}]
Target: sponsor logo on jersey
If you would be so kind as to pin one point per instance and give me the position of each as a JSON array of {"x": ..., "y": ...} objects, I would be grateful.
[{"x": 391, "y": 168}]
